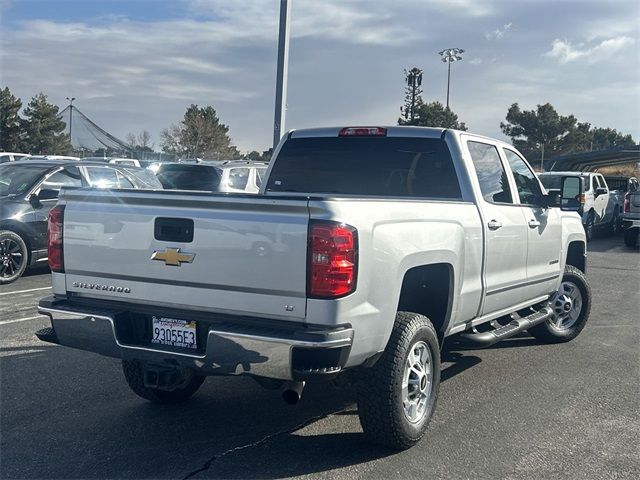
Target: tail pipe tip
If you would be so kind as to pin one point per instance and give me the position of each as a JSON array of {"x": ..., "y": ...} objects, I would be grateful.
[{"x": 292, "y": 392}]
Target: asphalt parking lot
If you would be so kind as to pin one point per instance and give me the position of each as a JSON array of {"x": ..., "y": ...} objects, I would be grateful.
[{"x": 517, "y": 410}]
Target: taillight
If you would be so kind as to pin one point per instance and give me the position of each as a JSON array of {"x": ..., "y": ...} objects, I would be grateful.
[
  {"x": 363, "y": 132},
  {"x": 627, "y": 203},
  {"x": 333, "y": 259},
  {"x": 54, "y": 233}
]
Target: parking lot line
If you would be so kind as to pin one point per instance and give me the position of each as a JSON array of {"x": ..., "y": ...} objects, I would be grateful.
[
  {"x": 16, "y": 320},
  {"x": 24, "y": 291}
]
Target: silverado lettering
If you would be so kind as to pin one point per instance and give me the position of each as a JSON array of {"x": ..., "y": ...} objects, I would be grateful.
[{"x": 108, "y": 288}]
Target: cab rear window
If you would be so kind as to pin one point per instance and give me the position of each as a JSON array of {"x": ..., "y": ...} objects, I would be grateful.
[{"x": 385, "y": 166}]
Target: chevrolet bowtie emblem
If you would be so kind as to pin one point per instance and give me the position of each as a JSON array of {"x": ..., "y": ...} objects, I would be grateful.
[{"x": 173, "y": 256}]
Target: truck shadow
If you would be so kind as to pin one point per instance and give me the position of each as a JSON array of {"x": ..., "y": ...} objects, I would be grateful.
[{"x": 73, "y": 415}]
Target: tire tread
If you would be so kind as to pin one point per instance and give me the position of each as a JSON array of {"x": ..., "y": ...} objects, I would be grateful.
[{"x": 376, "y": 397}]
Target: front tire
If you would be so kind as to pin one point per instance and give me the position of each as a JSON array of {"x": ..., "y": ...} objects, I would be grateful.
[
  {"x": 397, "y": 396},
  {"x": 571, "y": 305},
  {"x": 134, "y": 374},
  {"x": 14, "y": 256}
]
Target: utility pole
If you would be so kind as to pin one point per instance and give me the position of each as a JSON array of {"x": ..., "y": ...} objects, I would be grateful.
[
  {"x": 282, "y": 72},
  {"x": 412, "y": 93},
  {"x": 450, "y": 55},
  {"x": 70, "y": 117}
]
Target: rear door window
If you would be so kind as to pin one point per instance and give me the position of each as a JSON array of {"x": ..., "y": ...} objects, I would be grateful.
[
  {"x": 493, "y": 179},
  {"x": 385, "y": 166},
  {"x": 67, "y": 177}
]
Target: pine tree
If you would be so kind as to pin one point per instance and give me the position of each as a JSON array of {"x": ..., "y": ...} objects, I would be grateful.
[
  {"x": 201, "y": 135},
  {"x": 44, "y": 130},
  {"x": 10, "y": 123}
]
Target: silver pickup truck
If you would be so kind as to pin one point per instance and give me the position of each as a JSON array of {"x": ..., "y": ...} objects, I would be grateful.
[{"x": 366, "y": 248}]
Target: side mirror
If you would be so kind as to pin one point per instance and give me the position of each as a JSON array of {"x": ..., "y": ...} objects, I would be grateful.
[
  {"x": 601, "y": 191},
  {"x": 571, "y": 194}
]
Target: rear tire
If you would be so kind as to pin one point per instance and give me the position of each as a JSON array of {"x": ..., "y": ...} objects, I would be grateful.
[
  {"x": 616, "y": 223},
  {"x": 14, "y": 256},
  {"x": 571, "y": 305},
  {"x": 631, "y": 237},
  {"x": 134, "y": 374},
  {"x": 397, "y": 396}
]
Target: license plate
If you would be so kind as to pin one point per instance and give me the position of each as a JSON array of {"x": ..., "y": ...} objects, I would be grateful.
[{"x": 173, "y": 332}]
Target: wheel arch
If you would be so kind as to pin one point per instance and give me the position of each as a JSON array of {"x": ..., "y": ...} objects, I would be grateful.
[
  {"x": 429, "y": 290},
  {"x": 577, "y": 255}
]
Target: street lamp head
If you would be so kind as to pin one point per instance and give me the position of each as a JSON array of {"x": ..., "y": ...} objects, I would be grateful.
[{"x": 451, "y": 54}]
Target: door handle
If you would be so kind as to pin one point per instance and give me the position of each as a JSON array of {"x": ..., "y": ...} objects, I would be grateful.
[
  {"x": 534, "y": 224},
  {"x": 494, "y": 225}
]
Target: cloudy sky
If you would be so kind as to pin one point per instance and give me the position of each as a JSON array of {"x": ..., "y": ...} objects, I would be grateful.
[{"x": 137, "y": 64}]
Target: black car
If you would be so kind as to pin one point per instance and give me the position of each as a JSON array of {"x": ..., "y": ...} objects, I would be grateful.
[{"x": 29, "y": 189}]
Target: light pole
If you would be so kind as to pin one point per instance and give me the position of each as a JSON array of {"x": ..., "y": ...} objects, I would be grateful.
[
  {"x": 450, "y": 55},
  {"x": 70, "y": 116},
  {"x": 282, "y": 71}
]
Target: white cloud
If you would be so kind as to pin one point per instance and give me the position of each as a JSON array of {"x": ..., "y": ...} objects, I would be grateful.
[
  {"x": 498, "y": 33},
  {"x": 565, "y": 52},
  {"x": 346, "y": 63}
]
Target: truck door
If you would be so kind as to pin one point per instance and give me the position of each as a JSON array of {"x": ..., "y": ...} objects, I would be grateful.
[
  {"x": 544, "y": 232},
  {"x": 505, "y": 230},
  {"x": 600, "y": 199},
  {"x": 608, "y": 199}
]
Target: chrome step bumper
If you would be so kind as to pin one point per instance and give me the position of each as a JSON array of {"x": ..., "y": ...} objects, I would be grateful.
[{"x": 228, "y": 351}]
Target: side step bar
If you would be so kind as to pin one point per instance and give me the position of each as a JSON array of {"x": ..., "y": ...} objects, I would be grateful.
[{"x": 517, "y": 325}]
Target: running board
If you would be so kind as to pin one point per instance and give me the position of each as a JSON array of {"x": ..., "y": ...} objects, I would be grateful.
[{"x": 517, "y": 325}]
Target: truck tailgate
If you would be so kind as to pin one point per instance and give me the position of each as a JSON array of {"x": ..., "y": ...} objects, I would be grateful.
[{"x": 247, "y": 255}]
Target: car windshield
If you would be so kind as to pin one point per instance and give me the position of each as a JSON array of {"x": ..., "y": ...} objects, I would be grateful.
[
  {"x": 17, "y": 179},
  {"x": 179, "y": 176}
]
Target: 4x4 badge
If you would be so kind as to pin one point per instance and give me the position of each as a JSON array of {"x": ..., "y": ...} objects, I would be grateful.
[{"x": 173, "y": 256}]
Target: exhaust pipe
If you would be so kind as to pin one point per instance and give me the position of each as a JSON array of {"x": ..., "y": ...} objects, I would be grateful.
[{"x": 292, "y": 392}]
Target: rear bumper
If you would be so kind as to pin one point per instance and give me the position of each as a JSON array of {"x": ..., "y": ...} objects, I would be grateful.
[
  {"x": 285, "y": 353},
  {"x": 630, "y": 223}
]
